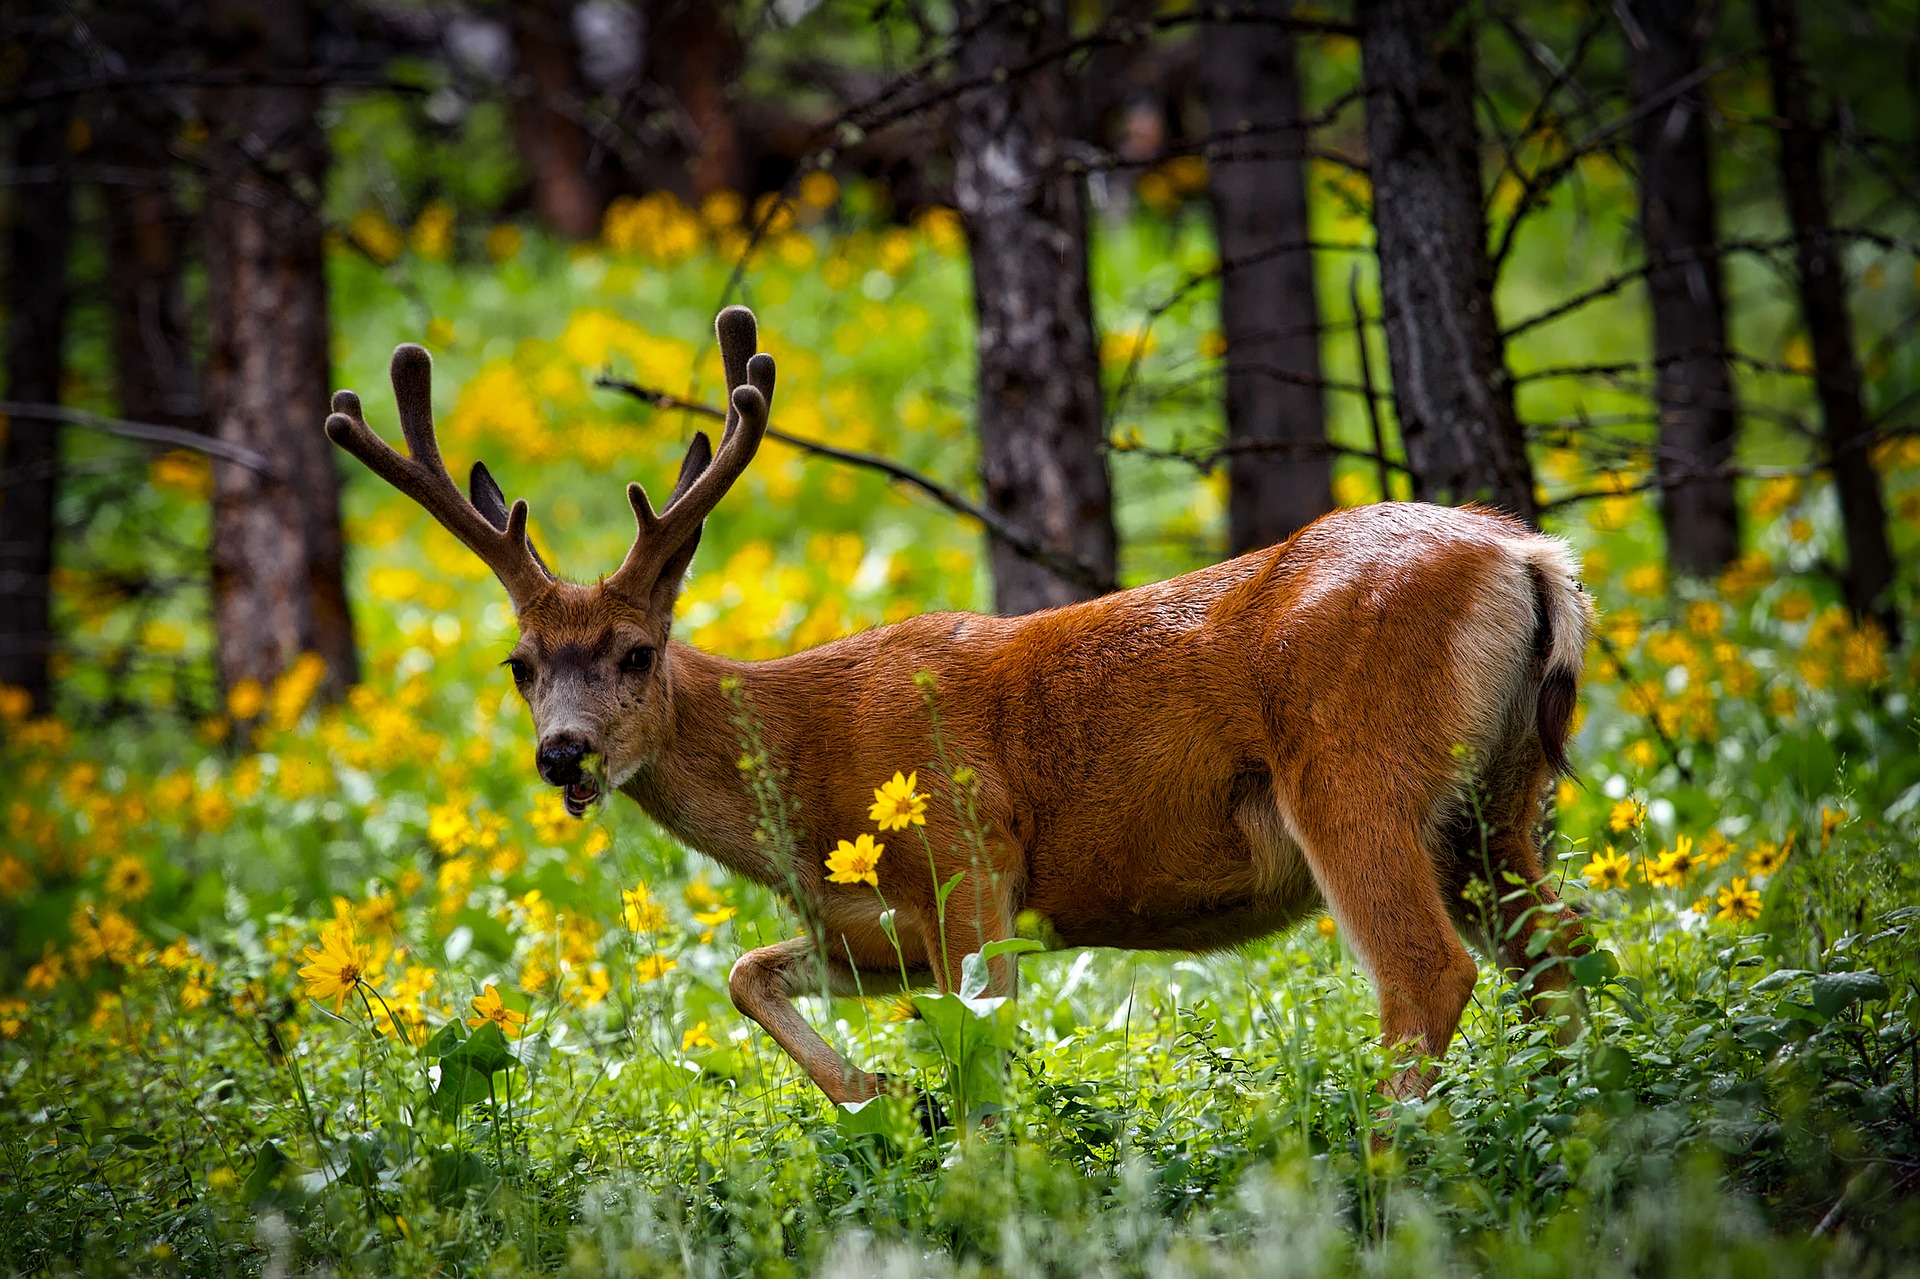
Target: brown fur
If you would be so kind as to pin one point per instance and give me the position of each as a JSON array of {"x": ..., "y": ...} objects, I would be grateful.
[{"x": 1363, "y": 718}]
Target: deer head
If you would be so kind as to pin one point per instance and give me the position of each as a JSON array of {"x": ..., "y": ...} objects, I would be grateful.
[{"x": 591, "y": 660}]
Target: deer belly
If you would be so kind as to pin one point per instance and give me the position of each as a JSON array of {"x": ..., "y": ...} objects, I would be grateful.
[{"x": 1247, "y": 881}]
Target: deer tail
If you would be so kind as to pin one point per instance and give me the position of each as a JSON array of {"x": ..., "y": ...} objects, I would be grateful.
[{"x": 1564, "y": 617}]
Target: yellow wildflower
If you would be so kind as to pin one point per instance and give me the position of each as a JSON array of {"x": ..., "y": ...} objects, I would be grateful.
[
  {"x": 337, "y": 966},
  {"x": 1671, "y": 868},
  {"x": 1738, "y": 903},
  {"x": 856, "y": 862},
  {"x": 105, "y": 1009},
  {"x": 1641, "y": 755},
  {"x": 1607, "y": 870},
  {"x": 489, "y": 1007},
  {"x": 896, "y": 806},
  {"x": 108, "y": 935},
  {"x": 1714, "y": 849},
  {"x": 1627, "y": 814},
  {"x": 700, "y": 894},
  {"x": 1704, "y": 617},
  {"x": 697, "y": 1037},
  {"x": 49, "y": 972},
  {"x": 642, "y": 913},
  {"x": 129, "y": 880},
  {"x": 652, "y": 968},
  {"x": 1326, "y": 927},
  {"x": 709, "y": 920},
  {"x": 1831, "y": 819},
  {"x": 179, "y": 956},
  {"x": 15, "y": 878},
  {"x": 247, "y": 699},
  {"x": 195, "y": 993},
  {"x": 590, "y": 988},
  {"x": 13, "y": 1017},
  {"x": 1766, "y": 858}
]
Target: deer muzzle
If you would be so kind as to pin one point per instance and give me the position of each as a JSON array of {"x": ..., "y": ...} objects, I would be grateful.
[{"x": 565, "y": 761}]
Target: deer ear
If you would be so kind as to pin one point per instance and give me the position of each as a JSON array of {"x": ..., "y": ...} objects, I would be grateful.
[
  {"x": 667, "y": 585},
  {"x": 486, "y": 496},
  {"x": 699, "y": 457},
  {"x": 484, "y": 492}
]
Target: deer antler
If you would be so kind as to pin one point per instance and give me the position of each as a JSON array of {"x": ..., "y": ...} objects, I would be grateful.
[
  {"x": 706, "y": 474},
  {"x": 498, "y": 538}
]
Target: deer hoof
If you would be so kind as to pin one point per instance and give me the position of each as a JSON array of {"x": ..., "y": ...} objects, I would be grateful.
[{"x": 926, "y": 1107}]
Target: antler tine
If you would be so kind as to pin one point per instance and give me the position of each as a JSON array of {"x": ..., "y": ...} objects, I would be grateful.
[
  {"x": 423, "y": 475},
  {"x": 739, "y": 336},
  {"x": 748, "y": 403},
  {"x": 706, "y": 474}
]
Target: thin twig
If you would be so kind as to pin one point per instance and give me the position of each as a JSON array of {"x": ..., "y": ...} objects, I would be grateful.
[{"x": 152, "y": 432}]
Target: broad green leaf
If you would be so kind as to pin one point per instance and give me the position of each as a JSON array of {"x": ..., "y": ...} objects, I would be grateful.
[
  {"x": 1835, "y": 992},
  {"x": 445, "y": 1040},
  {"x": 485, "y": 1050},
  {"x": 454, "y": 1172},
  {"x": 460, "y": 1085},
  {"x": 268, "y": 1166}
]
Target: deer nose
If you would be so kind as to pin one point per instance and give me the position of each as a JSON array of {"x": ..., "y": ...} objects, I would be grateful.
[{"x": 558, "y": 759}]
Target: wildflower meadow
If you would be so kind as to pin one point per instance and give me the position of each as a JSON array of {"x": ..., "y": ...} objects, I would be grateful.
[{"x": 289, "y": 986}]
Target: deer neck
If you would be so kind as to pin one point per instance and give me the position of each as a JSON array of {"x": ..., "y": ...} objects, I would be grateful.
[{"x": 693, "y": 785}]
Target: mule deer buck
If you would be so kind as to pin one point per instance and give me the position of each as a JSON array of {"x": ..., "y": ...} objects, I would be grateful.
[{"x": 1188, "y": 765}]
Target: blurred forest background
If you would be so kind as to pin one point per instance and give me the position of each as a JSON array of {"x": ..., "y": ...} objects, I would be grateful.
[
  {"x": 1541, "y": 258},
  {"x": 1065, "y": 298}
]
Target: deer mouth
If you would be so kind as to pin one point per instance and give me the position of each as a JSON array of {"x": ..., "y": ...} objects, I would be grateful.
[{"x": 580, "y": 796}]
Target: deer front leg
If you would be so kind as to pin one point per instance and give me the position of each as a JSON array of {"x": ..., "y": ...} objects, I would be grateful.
[{"x": 763, "y": 984}]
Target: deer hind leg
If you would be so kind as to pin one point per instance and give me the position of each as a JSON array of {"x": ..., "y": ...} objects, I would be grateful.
[
  {"x": 763, "y": 984},
  {"x": 1378, "y": 880},
  {"x": 1522, "y": 925}
]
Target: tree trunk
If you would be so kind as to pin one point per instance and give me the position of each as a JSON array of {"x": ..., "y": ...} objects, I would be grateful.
[
  {"x": 36, "y": 299},
  {"x": 1823, "y": 302},
  {"x": 552, "y": 143},
  {"x": 147, "y": 245},
  {"x": 277, "y": 573},
  {"x": 1269, "y": 313},
  {"x": 693, "y": 52},
  {"x": 1693, "y": 386},
  {"x": 1450, "y": 384},
  {"x": 1043, "y": 458}
]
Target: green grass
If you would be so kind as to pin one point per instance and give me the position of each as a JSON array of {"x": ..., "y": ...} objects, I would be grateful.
[{"x": 172, "y": 1100}]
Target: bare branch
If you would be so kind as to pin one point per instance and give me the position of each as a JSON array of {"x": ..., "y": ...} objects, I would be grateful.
[
  {"x": 998, "y": 526},
  {"x": 152, "y": 432}
]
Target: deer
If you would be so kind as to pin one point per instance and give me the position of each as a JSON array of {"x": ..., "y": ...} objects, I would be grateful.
[{"x": 1363, "y": 720}]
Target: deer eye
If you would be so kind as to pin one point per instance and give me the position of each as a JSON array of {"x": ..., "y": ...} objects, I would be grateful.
[
  {"x": 521, "y": 674},
  {"x": 638, "y": 661}
]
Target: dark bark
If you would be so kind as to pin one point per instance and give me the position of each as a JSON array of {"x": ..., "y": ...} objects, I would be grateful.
[
  {"x": 148, "y": 233},
  {"x": 552, "y": 143},
  {"x": 1694, "y": 389},
  {"x": 40, "y": 236},
  {"x": 1450, "y": 383},
  {"x": 277, "y": 579},
  {"x": 1042, "y": 434},
  {"x": 693, "y": 56},
  {"x": 1823, "y": 302},
  {"x": 1269, "y": 313}
]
